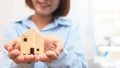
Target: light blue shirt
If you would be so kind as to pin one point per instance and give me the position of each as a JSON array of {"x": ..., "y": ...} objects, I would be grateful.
[{"x": 71, "y": 57}]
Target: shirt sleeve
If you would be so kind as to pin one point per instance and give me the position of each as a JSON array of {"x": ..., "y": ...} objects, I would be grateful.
[{"x": 72, "y": 56}]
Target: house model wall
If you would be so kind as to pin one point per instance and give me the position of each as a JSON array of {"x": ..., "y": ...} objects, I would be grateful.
[{"x": 32, "y": 42}]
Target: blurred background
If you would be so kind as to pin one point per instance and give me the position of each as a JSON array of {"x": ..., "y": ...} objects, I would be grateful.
[{"x": 100, "y": 27}]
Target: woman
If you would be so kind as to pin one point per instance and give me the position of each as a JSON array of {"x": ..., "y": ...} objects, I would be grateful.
[{"x": 47, "y": 19}]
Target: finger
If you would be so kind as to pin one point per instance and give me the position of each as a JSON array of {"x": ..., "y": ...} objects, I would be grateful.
[
  {"x": 24, "y": 59},
  {"x": 43, "y": 58},
  {"x": 51, "y": 55},
  {"x": 20, "y": 59},
  {"x": 27, "y": 58},
  {"x": 37, "y": 58},
  {"x": 48, "y": 57},
  {"x": 17, "y": 46},
  {"x": 14, "y": 53},
  {"x": 52, "y": 47},
  {"x": 10, "y": 45},
  {"x": 32, "y": 58},
  {"x": 6, "y": 46},
  {"x": 59, "y": 47},
  {"x": 16, "y": 61}
]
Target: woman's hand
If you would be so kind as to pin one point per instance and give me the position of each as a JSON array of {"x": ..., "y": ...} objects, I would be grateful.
[
  {"x": 53, "y": 46},
  {"x": 13, "y": 48}
]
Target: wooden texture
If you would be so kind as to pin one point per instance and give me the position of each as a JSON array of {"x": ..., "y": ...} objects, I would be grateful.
[{"x": 32, "y": 42}]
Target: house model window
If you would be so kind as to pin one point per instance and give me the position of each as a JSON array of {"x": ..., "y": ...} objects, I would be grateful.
[
  {"x": 25, "y": 39},
  {"x": 32, "y": 42}
]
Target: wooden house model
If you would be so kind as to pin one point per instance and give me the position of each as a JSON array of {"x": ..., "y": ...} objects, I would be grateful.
[{"x": 31, "y": 42}]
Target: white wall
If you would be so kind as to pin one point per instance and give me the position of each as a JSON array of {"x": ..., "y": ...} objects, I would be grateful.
[
  {"x": 82, "y": 12},
  {"x": 20, "y": 10},
  {"x": 5, "y": 17}
]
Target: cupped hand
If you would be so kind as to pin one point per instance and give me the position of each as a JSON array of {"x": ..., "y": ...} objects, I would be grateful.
[
  {"x": 13, "y": 48},
  {"x": 53, "y": 46}
]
